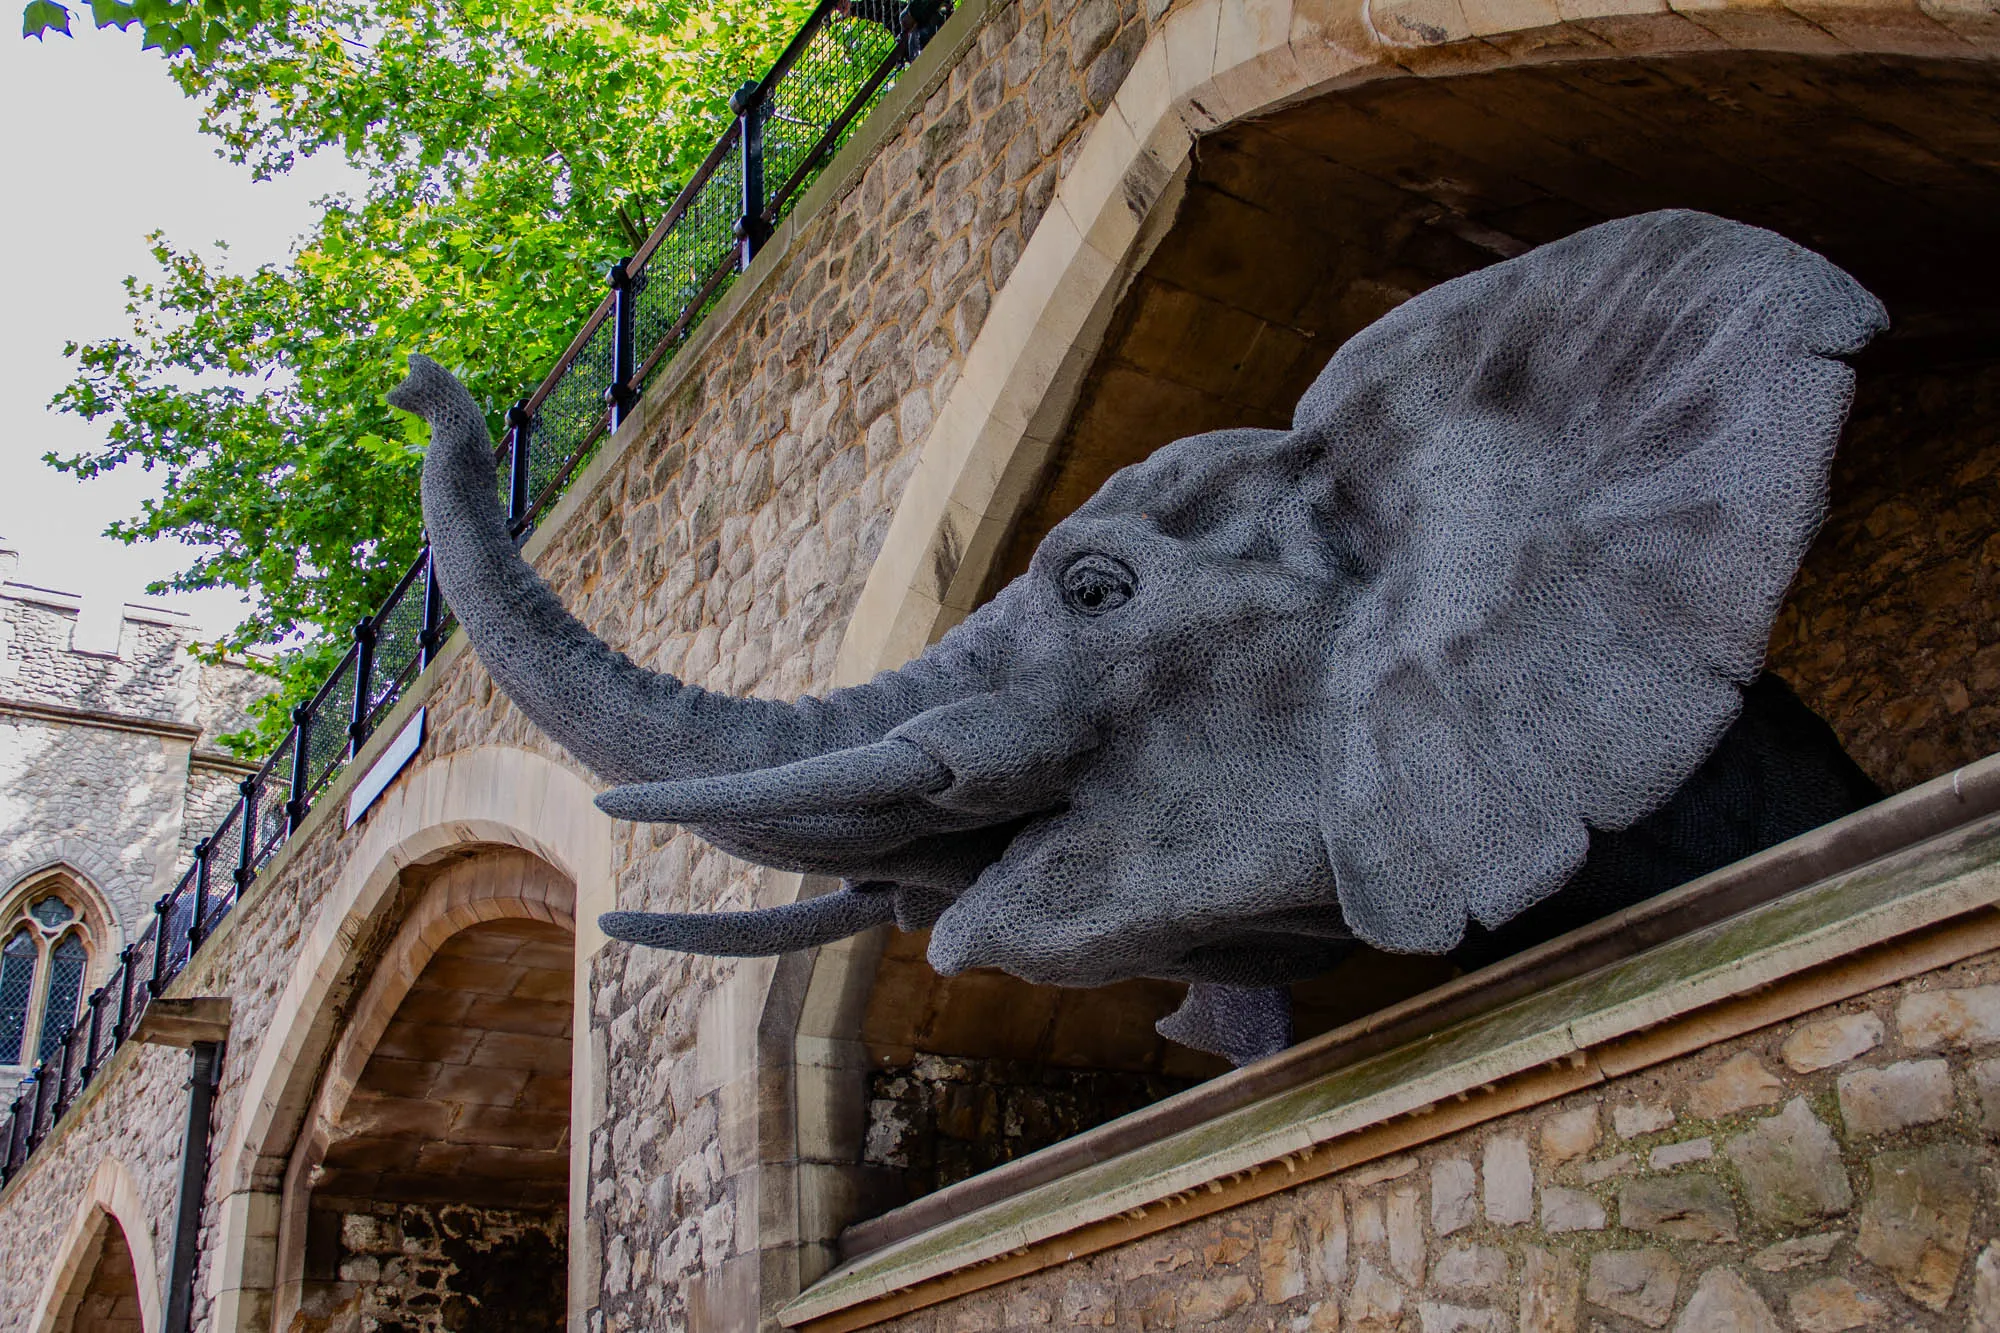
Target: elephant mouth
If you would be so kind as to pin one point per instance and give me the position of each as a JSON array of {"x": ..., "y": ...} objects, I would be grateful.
[{"x": 909, "y": 830}]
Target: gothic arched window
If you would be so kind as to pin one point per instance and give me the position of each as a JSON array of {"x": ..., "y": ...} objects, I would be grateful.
[{"x": 43, "y": 966}]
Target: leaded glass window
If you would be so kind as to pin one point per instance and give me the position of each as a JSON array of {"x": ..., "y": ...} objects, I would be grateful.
[
  {"x": 44, "y": 967},
  {"x": 66, "y": 964},
  {"x": 52, "y": 912},
  {"x": 17, "y": 992}
]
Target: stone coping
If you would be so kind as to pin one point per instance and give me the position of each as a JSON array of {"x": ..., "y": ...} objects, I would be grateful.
[
  {"x": 1883, "y": 898},
  {"x": 1887, "y": 826}
]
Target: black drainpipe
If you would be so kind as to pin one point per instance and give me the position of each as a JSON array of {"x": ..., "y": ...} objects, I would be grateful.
[{"x": 194, "y": 1184}]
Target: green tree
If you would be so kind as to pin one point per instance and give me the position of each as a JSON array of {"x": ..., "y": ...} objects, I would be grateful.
[{"x": 514, "y": 150}]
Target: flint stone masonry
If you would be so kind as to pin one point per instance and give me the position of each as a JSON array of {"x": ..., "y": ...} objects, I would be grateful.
[{"x": 1797, "y": 1223}]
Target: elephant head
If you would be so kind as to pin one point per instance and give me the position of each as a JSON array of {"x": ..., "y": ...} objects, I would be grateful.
[{"x": 1271, "y": 691}]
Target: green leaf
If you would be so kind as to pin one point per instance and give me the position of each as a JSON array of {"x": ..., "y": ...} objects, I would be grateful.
[
  {"x": 42, "y": 16},
  {"x": 113, "y": 14}
]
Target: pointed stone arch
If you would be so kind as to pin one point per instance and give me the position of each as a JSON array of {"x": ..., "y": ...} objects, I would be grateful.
[
  {"x": 490, "y": 796},
  {"x": 110, "y": 1224}
]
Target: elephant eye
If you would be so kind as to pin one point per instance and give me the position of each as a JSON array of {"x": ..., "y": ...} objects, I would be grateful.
[{"x": 1094, "y": 584}]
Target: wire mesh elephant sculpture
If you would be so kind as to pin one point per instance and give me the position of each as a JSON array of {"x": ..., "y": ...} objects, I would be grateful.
[{"x": 1460, "y": 659}]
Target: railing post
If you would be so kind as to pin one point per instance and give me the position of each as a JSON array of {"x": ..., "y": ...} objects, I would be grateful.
[
  {"x": 364, "y": 671},
  {"x": 246, "y": 846},
  {"x": 751, "y": 229},
  {"x": 91, "y": 1044},
  {"x": 621, "y": 396},
  {"x": 123, "y": 1027},
  {"x": 14, "y": 1135},
  {"x": 520, "y": 429},
  {"x": 200, "y": 895},
  {"x": 62, "y": 1074},
  {"x": 162, "y": 946},
  {"x": 431, "y": 637},
  {"x": 297, "y": 805},
  {"x": 40, "y": 1075}
]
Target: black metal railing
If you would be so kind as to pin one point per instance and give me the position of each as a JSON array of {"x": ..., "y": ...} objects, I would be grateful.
[{"x": 788, "y": 126}]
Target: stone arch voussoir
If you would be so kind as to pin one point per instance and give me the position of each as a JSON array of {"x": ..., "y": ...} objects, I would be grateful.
[{"x": 112, "y": 1199}]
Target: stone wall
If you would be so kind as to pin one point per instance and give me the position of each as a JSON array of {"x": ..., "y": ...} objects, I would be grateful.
[
  {"x": 938, "y": 1120},
  {"x": 1890, "y": 632},
  {"x": 1823, "y": 1174},
  {"x": 107, "y": 761},
  {"x": 414, "y": 1268}
]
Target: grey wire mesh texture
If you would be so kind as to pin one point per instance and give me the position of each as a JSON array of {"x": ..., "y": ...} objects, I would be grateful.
[
  {"x": 1501, "y": 585},
  {"x": 684, "y": 270}
]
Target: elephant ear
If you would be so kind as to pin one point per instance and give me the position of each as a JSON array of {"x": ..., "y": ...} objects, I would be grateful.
[{"x": 1574, "y": 488}]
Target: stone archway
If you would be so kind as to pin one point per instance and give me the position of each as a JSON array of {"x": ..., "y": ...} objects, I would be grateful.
[
  {"x": 487, "y": 796},
  {"x": 104, "y": 1279},
  {"x": 431, "y": 1181},
  {"x": 1003, "y": 461}
]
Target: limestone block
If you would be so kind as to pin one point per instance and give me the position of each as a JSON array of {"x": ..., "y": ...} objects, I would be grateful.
[
  {"x": 1724, "y": 1303},
  {"x": 1670, "y": 1155},
  {"x": 1986, "y": 1083},
  {"x": 1470, "y": 1268},
  {"x": 1406, "y": 1234},
  {"x": 1327, "y": 1229},
  {"x": 1454, "y": 1195},
  {"x": 1683, "y": 1207},
  {"x": 1639, "y": 1284},
  {"x": 1376, "y": 1303},
  {"x": 1834, "y": 1304},
  {"x": 1593, "y": 1173},
  {"x": 1740, "y": 1082},
  {"x": 1797, "y": 1252},
  {"x": 1509, "y": 1181},
  {"x": 1918, "y": 1218},
  {"x": 1281, "y": 1260},
  {"x": 1984, "y": 1316},
  {"x": 1570, "y": 1210},
  {"x": 1791, "y": 1167},
  {"x": 1965, "y": 1017},
  {"x": 1880, "y": 1101},
  {"x": 1570, "y": 1135},
  {"x": 1549, "y": 1291},
  {"x": 1831, "y": 1041},
  {"x": 1635, "y": 1119},
  {"x": 1438, "y": 1317},
  {"x": 1094, "y": 1304}
]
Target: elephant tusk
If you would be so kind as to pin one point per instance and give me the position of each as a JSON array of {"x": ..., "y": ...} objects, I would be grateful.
[
  {"x": 866, "y": 775},
  {"x": 759, "y": 934}
]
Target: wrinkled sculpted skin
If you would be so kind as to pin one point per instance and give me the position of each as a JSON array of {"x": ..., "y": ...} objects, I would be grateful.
[{"x": 1379, "y": 677}]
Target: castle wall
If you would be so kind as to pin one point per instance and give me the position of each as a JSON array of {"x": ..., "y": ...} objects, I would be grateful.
[
  {"x": 734, "y": 533},
  {"x": 1826, "y": 1173}
]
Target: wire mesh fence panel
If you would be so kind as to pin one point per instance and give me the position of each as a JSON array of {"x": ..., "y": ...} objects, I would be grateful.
[
  {"x": 180, "y": 911},
  {"x": 68, "y": 1064},
  {"x": 142, "y": 973},
  {"x": 274, "y": 789},
  {"x": 326, "y": 738},
  {"x": 225, "y": 846},
  {"x": 838, "y": 60},
  {"x": 571, "y": 416},
  {"x": 693, "y": 264},
  {"x": 399, "y": 628}
]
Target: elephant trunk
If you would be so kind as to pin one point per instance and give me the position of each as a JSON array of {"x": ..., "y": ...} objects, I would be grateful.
[{"x": 625, "y": 723}]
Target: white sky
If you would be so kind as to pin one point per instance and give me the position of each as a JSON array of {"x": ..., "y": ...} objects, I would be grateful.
[{"x": 100, "y": 149}]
